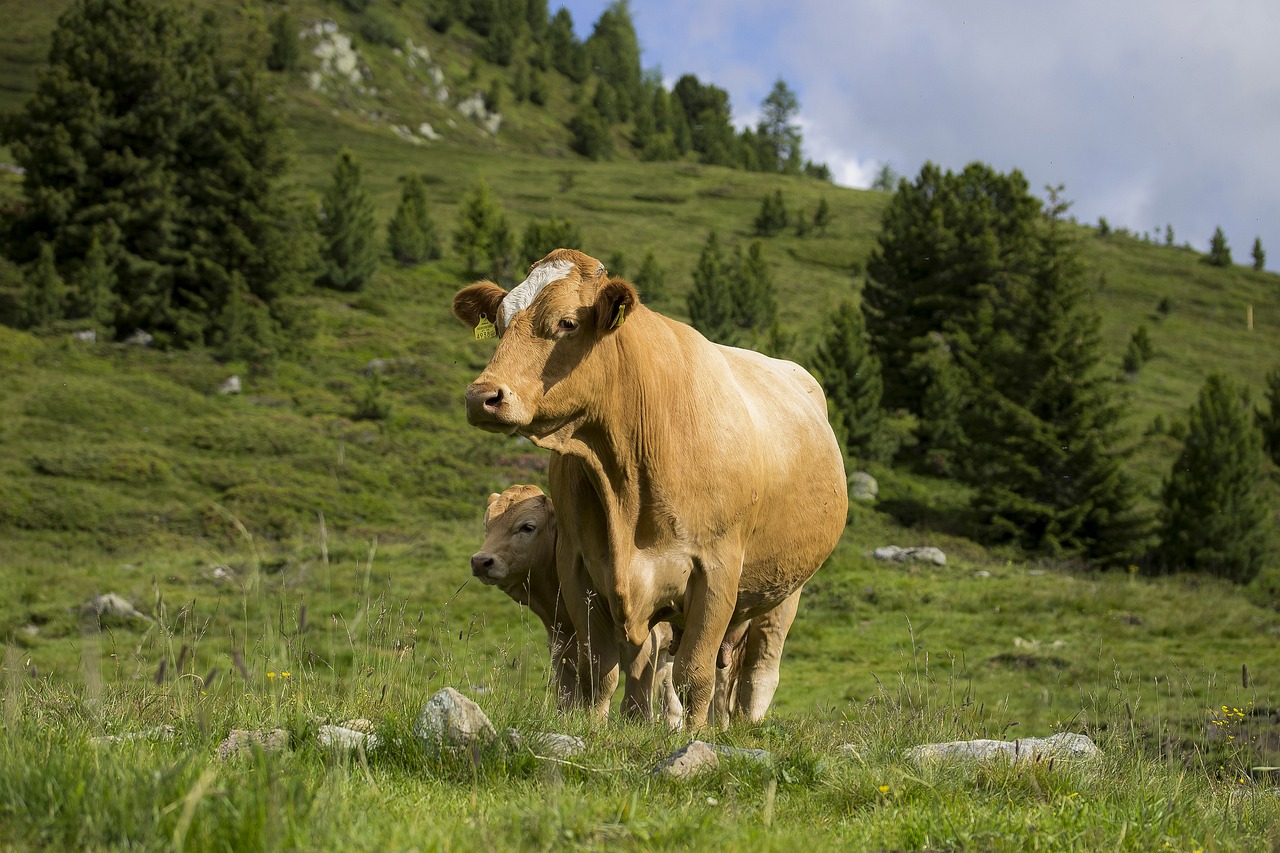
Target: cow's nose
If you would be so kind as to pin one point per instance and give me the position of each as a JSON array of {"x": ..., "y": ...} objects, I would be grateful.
[
  {"x": 481, "y": 563},
  {"x": 486, "y": 396}
]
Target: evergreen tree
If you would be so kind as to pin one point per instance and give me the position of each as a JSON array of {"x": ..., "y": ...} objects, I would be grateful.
[
  {"x": 1259, "y": 255},
  {"x": 1168, "y": 234},
  {"x": 1219, "y": 251},
  {"x": 939, "y": 431},
  {"x": 1214, "y": 517},
  {"x": 482, "y": 237},
  {"x": 1269, "y": 421},
  {"x": 651, "y": 280},
  {"x": 778, "y": 136},
  {"x": 772, "y": 216},
  {"x": 568, "y": 55},
  {"x": 92, "y": 296},
  {"x": 411, "y": 235},
  {"x": 944, "y": 238},
  {"x": 284, "y": 52},
  {"x": 708, "y": 120},
  {"x": 850, "y": 376},
  {"x": 614, "y": 52},
  {"x": 886, "y": 179},
  {"x": 822, "y": 217},
  {"x": 144, "y": 120},
  {"x": 543, "y": 236},
  {"x": 1139, "y": 351},
  {"x": 710, "y": 302},
  {"x": 589, "y": 134},
  {"x": 1044, "y": 430},
  {"x": 45, "y": 292},
  {"x": 349, "y": 252},
  {"x": 755, "y": 303}
]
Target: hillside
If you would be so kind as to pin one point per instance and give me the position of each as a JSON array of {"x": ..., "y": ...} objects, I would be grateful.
[{"x": 346, "y": 483}]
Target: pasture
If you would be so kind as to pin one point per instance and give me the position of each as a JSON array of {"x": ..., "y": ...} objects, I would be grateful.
[{"x": 300, "y": 551}]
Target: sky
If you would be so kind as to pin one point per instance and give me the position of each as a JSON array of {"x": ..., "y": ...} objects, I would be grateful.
[{"x": 1151, "y": 112}]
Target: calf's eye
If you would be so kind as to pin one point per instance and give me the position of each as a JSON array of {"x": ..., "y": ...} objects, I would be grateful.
[{"x": 568, "y": 325}]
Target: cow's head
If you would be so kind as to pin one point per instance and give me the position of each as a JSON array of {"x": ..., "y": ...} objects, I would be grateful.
[
  {"x": 557, "y": 329},
  {"x": 519, "y": 536}
]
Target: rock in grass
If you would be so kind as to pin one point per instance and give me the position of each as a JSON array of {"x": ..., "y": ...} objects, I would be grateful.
[
  {"x": 1061, "y": 745},
  {"x": 688, "y": 761},
  {"x": 344, "y": 739},
  {"x": 863, "y": 487},
  {"x": 451, "y": 719},
  {"x": 762, "y": 756},
  {"x": 111, "y": 606},
  {"x": 245, "y": 741},
  {"x": 157, "y": 733},
  {"x": 896, "y": 554}
]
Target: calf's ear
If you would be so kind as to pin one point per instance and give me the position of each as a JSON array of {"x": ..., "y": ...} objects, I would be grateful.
[
  {"x": 493, "y": 497},
  {"x": 615, "y": 301},
  {"x": 479, "y": 301}
]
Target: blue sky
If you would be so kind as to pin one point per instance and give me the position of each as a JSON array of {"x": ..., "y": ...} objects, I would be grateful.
[{"x": 1151, "y": 112}]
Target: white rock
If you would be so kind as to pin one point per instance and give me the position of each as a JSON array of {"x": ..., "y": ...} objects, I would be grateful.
[
  {"x": 1061, "y": 745},
  {"x": 451, "y": 719},
  {"x": 112, "y": 605},
  {"x": 89, "y": 336},
  {"x": 925, "y": 554},
  {"x": 140, "y": 338},
  {"x": 157, "y": 733},
  {"x": 230, "y": 386},
  {"x": 863, "y": 487},
  {"x": 557, "y": 745},
  {"x": 244, "y": 741},
  {"x": 343, "y": 739},
  {"x": 688, "y": 761},
  {"x": 425, "y": 129}
]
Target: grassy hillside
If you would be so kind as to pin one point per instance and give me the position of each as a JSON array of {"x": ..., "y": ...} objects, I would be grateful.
[{"x": 286, "y": 530}]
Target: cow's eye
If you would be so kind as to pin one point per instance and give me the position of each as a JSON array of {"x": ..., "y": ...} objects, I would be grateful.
[
  {"x": 528, "y": 527},
  {"x": 568, "y": 324}
]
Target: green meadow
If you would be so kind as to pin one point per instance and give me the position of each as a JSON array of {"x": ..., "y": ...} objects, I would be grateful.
[{"x": 300, "y": 553}]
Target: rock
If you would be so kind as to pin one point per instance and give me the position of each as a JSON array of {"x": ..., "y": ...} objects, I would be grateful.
[
  {"x": 387, "y": 365},
  {"x": 762, "y": 756},
  {"x": 852, "y": 750},
  {"x": 926, "y": 554},
  {"x": 451, "y": 719},
  {"x": 112, "y": 606},
  {"x": 140, "y": 338},
  {"x": 244, "y": 741},
  {"x": 230, "y": 386},
  {"x": 426, "y": 130},
  {"x": 1061, "y": 745},
  {"x": 982, "y": 573},
  {"x": 89, "y": 336},
  {"x": 688, "y": 761},
  {"x": 345, "y": 739},
  {"x": 158, "y": 733},
  {"x": 863, "y": 487},
  {"x": 556, "y": 745}
]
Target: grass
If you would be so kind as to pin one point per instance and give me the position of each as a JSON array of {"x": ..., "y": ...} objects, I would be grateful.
[{"x": 320, "y": 523}]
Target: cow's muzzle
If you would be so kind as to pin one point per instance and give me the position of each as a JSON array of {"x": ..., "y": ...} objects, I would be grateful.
[
  {"x": 489, "y": 406},
  {"x": 487, "y": 568}
]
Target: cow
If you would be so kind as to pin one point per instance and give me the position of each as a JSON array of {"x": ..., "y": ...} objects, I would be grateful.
[
  {"x": 518, "y": 557},
  {"x": 696, "y": 483}
]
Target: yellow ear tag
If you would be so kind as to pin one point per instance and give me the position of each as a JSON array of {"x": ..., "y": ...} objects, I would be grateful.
[
  {"x": 485, "y": 329},
  {"x": 622, "y": 315}
]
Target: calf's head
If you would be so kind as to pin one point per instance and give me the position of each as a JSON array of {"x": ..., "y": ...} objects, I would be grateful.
[
  {"x": 519, "y": 537},
  {"x": 556, "y": 329}
]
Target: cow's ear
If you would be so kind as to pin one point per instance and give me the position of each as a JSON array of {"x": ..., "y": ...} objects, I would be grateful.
[
  {"x": 479, "y": 301},
  {"x": 493, "y": 497},
  {"x": 614, "y": 303}
]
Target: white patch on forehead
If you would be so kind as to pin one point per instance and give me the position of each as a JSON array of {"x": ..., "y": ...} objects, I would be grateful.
[{"x": 522, "y": 296}]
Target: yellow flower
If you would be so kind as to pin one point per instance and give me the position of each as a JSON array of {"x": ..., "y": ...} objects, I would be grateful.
[
  {"x": 284, "y": 674},
  {"x": 271, "y": 675},
  {"x": 884, "y": 789}
]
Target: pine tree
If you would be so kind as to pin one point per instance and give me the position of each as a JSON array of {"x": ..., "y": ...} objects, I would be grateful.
[
  {"x": 92, "y": 295},
  {"x": 850, "y": 375},
  {"x": 614, "y": 52},
  {"x": 349, "y": 252},
  {"x": 543, "y": 236},
  {"x": 1214, "y": 517},
  {"x": 1259, "y": 255},
  {"x": 940, "y": 437},
  {"x": 772, "y": 216},
  {"x": 822, "y": 216},
  {"x": 45, "y": 292},
  {"x": 1269, "y": 421},
  {"x": 1219, "y": 252},
  {"x": 778, "y": 136},
  {"x": 755, "y": 303},
  {"x": 411, "y": 235},
  {"x": 710, "y": 301},
  {"x": 482, "y": 237},
  {"x": 651, "y": 280},
  {"x": 1044, "y": 429},
  {"x": 284, "y": 53}
]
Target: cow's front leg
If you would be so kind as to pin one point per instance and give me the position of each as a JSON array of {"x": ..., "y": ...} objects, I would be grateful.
[
  {"x": 597, "y": 646},
  {"x": 564, "y": 663},
  {"x": 639, "y": 664},
  {"x": 763, "y": 658},
  {"x": 711, "y": 597}
]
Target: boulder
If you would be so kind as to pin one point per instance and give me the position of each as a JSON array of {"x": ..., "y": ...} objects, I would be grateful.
[
  {"x": 344, "y": 739},
  {"x": 245, "y": 741},
  {"x": 452, "y": 720},
  {"x": 89, "y": 336},
  {"x": 1062, "y": 746},
  {"x": 140, "y": 338},
  {"x": 230, "y": 386},
  {"x": 863, "y": 487},
  {"x": 688, "y": 761},
  {"x": 112, "y": 606},
  {"x": 895, "y": 554},
  {"x": 157, "y": 733}
]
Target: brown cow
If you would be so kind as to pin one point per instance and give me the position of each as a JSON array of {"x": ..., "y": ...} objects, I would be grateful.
[
  {"x": 696, "y": 483},
  {"x": 518, "y": 556}
]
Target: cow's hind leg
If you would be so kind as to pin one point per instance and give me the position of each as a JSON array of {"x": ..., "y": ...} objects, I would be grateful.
[
  {"x": 763, "y": 657},
  {"x": 712, "y": 596}
]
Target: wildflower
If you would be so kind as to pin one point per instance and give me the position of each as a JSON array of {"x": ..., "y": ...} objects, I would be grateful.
[
  {"x": 271, "y": 675},
  {"x": 884, "y": 789},
  {"x": 284, "y": 674}
]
